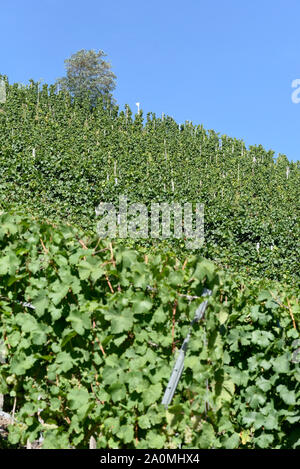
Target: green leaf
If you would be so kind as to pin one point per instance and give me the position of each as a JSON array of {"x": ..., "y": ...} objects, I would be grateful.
[
  {"x": 152, "y": 394},
  {"x": 55, "y": 439},
  {"x": 232, "y": 442},
  {"x": 262, "y": 338},
  {"x": 264, "y": 440},
  {"x": 264, "y": 295},
  {"x": 255, "y": 397},
  {"x": 126, "y": 433},
  {"x": 21, "y": 363},
  {"x": 59, "y": 292},
  {"x": 155, "y": 440},
  {"x": 67, "y": 338},
  {"x": 117, "y": 392},
  {"x": 141, "y": 306},
  {"x": 144, "y": 422},
  {"x": 78, "y": 398},
  {"x": 223, "y": 316},
  {"x": 271, "y": 421},
  {"x": 64, "y": 361},
  {"x": 281, "y": 364},
  {"x": 288, "y": 397},
  {"x": 175, "y": 278},
  {"x": 9, "y": 264},
  {"x": 80, "y": 321},
  {"x": 206, "y": 436},
  {"x": 122, "y": 323},
  {"x": 159, "y": 316},
  {"x": 120, "y": 339},
  {"x": 41, "y": 303}
]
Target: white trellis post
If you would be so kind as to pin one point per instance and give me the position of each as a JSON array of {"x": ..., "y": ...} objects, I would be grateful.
[
  {"x": 165, "y": 146},
  {"x": 138, "y": 106},
  {"x": 254, "y": 161},
  {"x": 108, "y": 163},
  {"x": 172, "y": 180},
  {"x": 115, "y": 173},
  {"x": 92, "y": 443},
  {"x": 2, "y": 91},
  {"x": 287, "y": 172}
]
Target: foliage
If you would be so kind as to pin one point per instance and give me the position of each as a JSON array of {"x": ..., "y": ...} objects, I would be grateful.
[
  {"x": 88, "y": 73},
  {"x": 59, "y": 159},
  {"x": 94, "y": 356}
]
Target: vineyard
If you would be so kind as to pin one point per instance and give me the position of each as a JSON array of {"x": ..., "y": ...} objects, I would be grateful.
[{"x": 90, "y": 329}]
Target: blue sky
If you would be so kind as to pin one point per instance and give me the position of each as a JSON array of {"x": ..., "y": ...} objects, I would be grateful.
[{"x": 226, "y": 64}]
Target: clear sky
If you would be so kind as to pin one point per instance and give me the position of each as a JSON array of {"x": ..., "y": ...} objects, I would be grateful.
[{"x": 226, "y": 64}]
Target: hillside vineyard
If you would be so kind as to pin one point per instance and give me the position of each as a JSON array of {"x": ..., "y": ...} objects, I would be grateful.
[
  {"x": 60, "y": 159},
  {"x": 90, "y": 328}
]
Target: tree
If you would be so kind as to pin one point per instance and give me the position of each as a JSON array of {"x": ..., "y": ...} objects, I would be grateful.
[{"x": 87, "y": 72}]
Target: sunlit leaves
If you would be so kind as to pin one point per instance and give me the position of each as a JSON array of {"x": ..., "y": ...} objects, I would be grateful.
[{"x": 100, "y": 338}]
